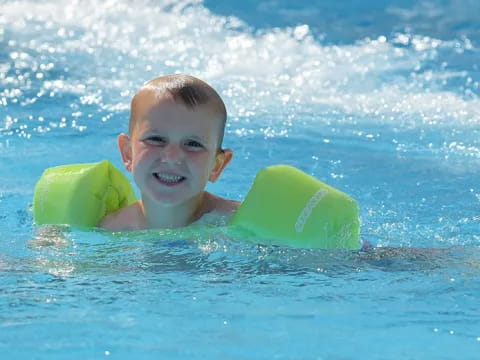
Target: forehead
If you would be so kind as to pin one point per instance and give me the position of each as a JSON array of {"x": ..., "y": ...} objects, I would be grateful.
[{"x": 153, "y": 110}]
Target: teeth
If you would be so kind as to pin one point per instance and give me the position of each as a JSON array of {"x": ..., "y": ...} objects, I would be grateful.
[{"x": 168, "y": 177}]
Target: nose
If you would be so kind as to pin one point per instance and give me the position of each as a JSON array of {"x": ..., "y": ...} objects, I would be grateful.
[{"x": 172, "y": 154}]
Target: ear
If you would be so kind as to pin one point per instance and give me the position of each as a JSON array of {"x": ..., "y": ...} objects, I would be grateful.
[
  {"x": 125, "y": 148},
  {"x": 221, "y": 161}
]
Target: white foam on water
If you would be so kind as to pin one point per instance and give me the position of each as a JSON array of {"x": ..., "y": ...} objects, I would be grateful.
[{"x": 110, "y": 48}]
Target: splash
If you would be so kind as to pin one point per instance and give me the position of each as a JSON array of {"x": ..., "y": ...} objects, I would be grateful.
[{"x": 100, "y": 52}]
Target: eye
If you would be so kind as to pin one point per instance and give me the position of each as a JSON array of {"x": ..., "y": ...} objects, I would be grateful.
[
  {"x": 155, "y": 140},
  {"x": 194, "y": 144}
]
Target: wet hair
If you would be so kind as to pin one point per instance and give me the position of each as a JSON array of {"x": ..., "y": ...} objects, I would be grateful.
[{"x": 189, "y": 91}]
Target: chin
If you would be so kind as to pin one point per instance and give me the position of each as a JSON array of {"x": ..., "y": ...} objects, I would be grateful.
[{"x": 170, "y": 198}]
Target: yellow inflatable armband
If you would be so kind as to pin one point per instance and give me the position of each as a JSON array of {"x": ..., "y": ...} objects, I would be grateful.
[
  {"x": 80, "y": 194},
  {"x": 288, "y": 207}
]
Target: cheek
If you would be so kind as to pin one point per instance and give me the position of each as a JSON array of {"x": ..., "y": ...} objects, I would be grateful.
[
  {"x": 203, "y": 162},
  {"x": 140, "y": 154}
]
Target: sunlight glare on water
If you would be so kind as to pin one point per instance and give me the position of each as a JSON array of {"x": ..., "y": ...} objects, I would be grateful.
[{"x": 105, "y": 50}]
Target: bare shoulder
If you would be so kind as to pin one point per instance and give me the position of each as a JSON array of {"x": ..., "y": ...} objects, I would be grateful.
[
  {"x": 127, "y": 218},
  {"x": 222, "y": 205},
  {"x": 218, "y": 210}
]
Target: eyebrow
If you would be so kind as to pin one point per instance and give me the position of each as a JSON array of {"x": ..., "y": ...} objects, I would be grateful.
[
  {"x": 196, "y": 137},
  {"x": 162, "y": 135}
]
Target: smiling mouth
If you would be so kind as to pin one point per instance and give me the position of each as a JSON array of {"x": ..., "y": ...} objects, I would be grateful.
[{"x": 169, "y": 179}]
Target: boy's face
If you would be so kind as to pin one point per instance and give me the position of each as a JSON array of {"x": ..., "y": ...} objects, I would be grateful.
[{"x": 173, "y": 150}]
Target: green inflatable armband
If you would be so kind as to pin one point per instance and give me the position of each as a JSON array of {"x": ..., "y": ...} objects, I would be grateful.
[
  {"x": 283, "y": 207},
  {"x": 288, "y": 207},
  {"x": 80, "y": 194}
]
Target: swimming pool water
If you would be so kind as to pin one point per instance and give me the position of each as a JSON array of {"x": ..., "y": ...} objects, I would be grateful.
[{"x": 379, "y": 99}]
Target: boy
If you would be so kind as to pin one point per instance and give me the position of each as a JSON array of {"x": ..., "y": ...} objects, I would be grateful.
[{"x": 173, "y": 148}]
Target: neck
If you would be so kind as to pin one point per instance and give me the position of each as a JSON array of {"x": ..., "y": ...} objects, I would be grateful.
[{"x": 159, "y": 216}]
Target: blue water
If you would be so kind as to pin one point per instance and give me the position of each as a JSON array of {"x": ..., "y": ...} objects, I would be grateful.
[{"x": 379, "y": 99}]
